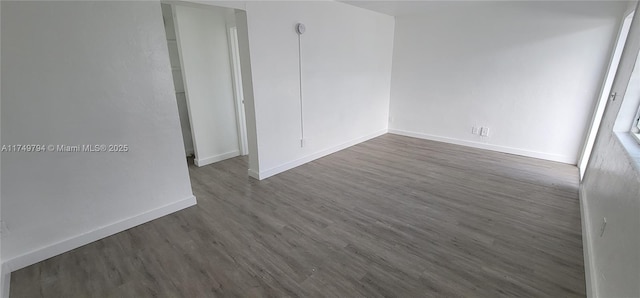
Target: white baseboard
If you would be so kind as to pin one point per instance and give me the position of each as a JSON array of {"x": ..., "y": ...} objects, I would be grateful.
[
  {"x": 216, "y": 158},
  {"x": 60, "y": 247},
  {"x": 522, "y": 152},
  {"x": 587, "y": 245},
  {"x": 298, "y": 162}
]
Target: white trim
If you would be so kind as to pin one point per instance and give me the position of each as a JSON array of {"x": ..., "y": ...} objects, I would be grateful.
[
  {"x": 254, "y": 174},
  {"x": 241, "y": 122},
  {"x": 43, "y": 253},
  {"x": 216, "y": 158},
  {"x": 587, "y": 245},
  {"x": 605, "y": 91},
  {"x": 184, "y": 77},
  {"x": 5, "y": 274},
  {"x": 636, "y": 136},
  {"x": 541, "y": 155},
  {"x": 298, "y": 162}
]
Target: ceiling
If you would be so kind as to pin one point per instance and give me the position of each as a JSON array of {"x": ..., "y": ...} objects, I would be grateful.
[
  {"x": 393, "y": 8},
  {"x": 418, "y": 7}
]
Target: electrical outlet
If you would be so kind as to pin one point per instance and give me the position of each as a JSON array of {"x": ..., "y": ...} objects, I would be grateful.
[
  {"x": 391, "y": 119},
  {"x": 475, "y": 130},
  {"x": 484, "y": 131}
]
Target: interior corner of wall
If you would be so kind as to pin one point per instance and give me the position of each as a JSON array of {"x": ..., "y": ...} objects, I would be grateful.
[
  {"x": 587, "y": 244},
  {"x": 254, "y": 174}
]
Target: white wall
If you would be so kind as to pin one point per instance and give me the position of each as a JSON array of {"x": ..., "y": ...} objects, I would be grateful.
[
  {"x": 206, "y": 68},
  {"x": 530, "y": 71},
  {"x": 346, "y": 64},
  {"x": 611, "y": 190},
  {"x": 73, "y": 75}
]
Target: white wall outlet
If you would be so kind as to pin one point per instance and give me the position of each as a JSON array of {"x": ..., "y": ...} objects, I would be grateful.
[
  {"x": 391, "y": 119},
  {"x": 484, "y": 131},
  {"x": 475, "y": 130}
]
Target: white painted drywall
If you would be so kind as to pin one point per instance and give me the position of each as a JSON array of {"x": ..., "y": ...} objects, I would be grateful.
[
  {"x": 611, "y": 190},
  {"x": 346, "y": 65},
  {"x": 178, "y": 81},
  {"x": 86, "y": 73},
  {"x": 530, "y": 71},
  {"x": 206, "y": 69}
]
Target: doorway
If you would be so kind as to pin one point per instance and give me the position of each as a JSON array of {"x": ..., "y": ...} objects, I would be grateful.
[
  {"x": 604, "y": 95},
  {"x": 205, "y": 60}
]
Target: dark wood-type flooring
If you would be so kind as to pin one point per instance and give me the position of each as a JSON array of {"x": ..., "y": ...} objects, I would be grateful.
[{"x": 391, "y": 217}]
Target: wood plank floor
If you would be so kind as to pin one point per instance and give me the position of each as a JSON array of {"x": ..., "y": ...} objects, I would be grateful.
[{"x": 391, "y": 217}]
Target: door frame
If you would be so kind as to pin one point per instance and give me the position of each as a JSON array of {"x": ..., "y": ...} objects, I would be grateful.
[
  {"x": 236, "y": 73},
  {"x": 605, "y": 91}
]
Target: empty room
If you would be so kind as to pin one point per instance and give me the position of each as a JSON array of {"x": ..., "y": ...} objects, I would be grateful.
[{"x": 319, "y": 149}]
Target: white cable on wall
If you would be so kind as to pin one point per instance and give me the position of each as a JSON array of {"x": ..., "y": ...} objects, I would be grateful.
[{"x": 300, "y": 29}]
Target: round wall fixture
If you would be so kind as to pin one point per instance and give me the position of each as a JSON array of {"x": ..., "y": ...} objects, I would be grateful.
[{"x": 300, "y": 28}]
